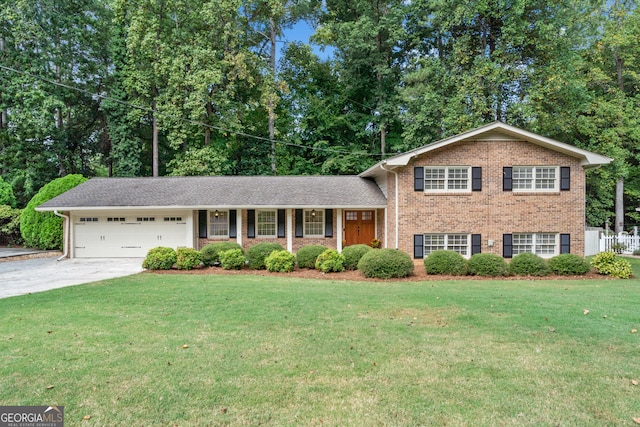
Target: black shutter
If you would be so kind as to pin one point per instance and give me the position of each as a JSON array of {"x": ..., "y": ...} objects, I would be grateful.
[
  {"x": 299, "y": 223},
  {"x": 565, "y": 243},
  {"x": 476, "y": 244},
  {"x": 418, "y": 179},
  {"x": 328, "y": 223},
  {"x": 476, "y": 179},
  {"x": 507, "y": 246},
  {"x": 251, "y": 223},
  {"x": 565, "y": 178},
  {"x": 281, "y": 219},
  {"x": 507, "y": 179},
  {"x": 418, "y": 246},
  {"x": 233, "y": 223},
  {"x": 202, "y": 224}
]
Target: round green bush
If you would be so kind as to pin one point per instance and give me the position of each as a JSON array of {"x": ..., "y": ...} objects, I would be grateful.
[
  {"x": 258, "y": 253},
  {"x": 445, "y": 262},
  {"x": 211, "y": 252},
  {"x": 330, "y": 260},
  {"x": 569, "y": 264},
  {"x": 280, "y": 261},
  {"x": 43, "y": 230},
  {"x": 232, "y": 259},
  {"x": 487, "y": 265},
  {"x": 528, "y": 264},
  {"x": 160, "y": 258},
  {"x": 188, "y": 258},
  {"x": 386, "y": 264},
  {"x": 612, "y": 265},
  {"x": 352, "y": 255},
  {"x": 10, "y": 224},
  {"x": 307, "y": 255}
]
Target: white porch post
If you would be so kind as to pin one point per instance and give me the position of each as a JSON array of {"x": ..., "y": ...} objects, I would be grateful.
[
  {"x": 290, "y": 230},
  {"x": 339, "y": 232},
  {"x": 239, "y": 226}
]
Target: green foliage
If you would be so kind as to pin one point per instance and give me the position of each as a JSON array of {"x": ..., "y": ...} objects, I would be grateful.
[
  {"x": 487, "y": 265},
  {"x": 610, "y": 264},
  {"x": 199, "y": 162},
  {"x": 188, "y": 258},
  {"x": 569, "y": 264},
  {"x": 528, "y": 264},
  {"x": 330, "y": 260},
  {"x": 160, "y": 258},
  {"x": 232, "y": 259},
  {"x": 280, "y": 261},
  {"x": 43, "y": 230},
  {"x": 10, "y": 224},
  {"x": 6, "y": 194},
  {"x": 445, "y": 262},
  {"x": 211, "y": 252},
  {"x": 386, "y": 264},
  {"x": 352, "y": 255},
  {"x": 307, "y": 255},
  {"x": 256, "y": 254}
]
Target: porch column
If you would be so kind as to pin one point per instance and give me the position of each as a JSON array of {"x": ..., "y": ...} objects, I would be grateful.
[
  {"x": 339, "y": 230},
  {"x": 289, "y": 215},
  {"x": 239, "y": 226}
]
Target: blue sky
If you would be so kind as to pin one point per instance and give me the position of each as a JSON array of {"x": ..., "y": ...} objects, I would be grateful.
[{"x": 301, "y": 32}]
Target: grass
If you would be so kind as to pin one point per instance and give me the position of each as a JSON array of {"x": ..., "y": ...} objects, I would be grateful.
[{"x": 288, "y": 352}]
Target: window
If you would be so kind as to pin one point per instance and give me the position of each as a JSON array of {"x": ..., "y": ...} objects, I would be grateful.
[
  {"x": 145, "y": 219},
  {"x": 542, "y": 244},
  {"x": 88, "y": 219},
  {"x": 447, "y": 178},
  {"x": 451, "y": 242},
  {"x": 218, "y": 224},
  {"x": 535, "y": 178},
  {"x": 115, "y": 219},
  {"x": 266, "y": 223},
  {"x": 172, "y": 219},
  {"x": 313, "y": 223}
]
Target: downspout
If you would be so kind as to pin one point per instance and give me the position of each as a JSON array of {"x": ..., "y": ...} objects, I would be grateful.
[
  {"x": 65, "y": 238},
  {"x": 396, "y": 198}
]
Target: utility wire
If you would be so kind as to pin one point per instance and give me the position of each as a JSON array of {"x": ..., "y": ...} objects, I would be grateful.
[{"x": 183, "y": 119}]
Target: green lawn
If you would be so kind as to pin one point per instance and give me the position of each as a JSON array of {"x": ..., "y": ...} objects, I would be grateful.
[{"x": 290, "y": 352}]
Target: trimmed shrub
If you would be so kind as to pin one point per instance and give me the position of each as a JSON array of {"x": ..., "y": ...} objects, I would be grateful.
[
  {"x": 612, "y": 265},
  {"x": 258, "y": 253},
  {"x": 160, "y": 258},
  {"x": 43, "y": 230},
  {"x": 386, "y": 264},
  {"x": 445, "y": 262},
  {"x": 330, "y": 260},
  {"x": 528, "y": 264},
  {"x": 487, "y": 265},
  {"x": 232, "y": 259},
  {"x": 280, "y": 261},
  {"x": 307, "y": 255},
  {"x": 352, "y": 255},
  {"x": 569, "y": 264},
  {"x": 211, "y": 252},
  {"x": 6, "y": 194},
  {"x": 10, "y": 224},
  {"x": 188, "y": 258}
]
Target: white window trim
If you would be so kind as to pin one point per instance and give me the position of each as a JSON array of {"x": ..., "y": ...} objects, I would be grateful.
[
  {"x": 446, "y": 179},
  {"x": 275, "y": 229},
  {"x": 211, "y": 236},
  {"x": 319, "y": 213},
  {"x": 556, "y": 184},
  {"x": 446, "y": 242},
  {"x": 534, "y": 237}
]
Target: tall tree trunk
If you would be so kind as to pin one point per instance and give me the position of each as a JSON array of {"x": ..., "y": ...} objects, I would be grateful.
[
  {"x": 271, "y": 102},
  {"x": 155, "y": 140}
]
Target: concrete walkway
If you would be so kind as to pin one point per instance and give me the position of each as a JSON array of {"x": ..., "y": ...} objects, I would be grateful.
[{"x": 42, "y": 274}]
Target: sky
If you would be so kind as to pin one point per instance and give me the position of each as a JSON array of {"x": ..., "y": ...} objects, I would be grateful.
[{"x": 301, "y": 32}]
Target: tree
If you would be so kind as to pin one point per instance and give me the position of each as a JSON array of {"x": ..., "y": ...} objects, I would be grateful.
[{"x": 6, "y": 194}]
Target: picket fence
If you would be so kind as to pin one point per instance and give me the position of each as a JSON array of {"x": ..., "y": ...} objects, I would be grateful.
[{"x": 621, "y": 243}]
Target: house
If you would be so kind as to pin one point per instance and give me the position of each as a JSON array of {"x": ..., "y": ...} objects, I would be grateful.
[{"x": 495, "y": 189}]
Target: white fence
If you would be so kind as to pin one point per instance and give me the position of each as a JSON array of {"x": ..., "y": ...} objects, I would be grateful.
[{"x": 621, "y": 243}]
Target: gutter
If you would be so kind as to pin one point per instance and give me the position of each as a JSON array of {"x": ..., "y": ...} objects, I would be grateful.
[
  {"x": 65, "y": 238},
  {"x": 396, "y": 199}
]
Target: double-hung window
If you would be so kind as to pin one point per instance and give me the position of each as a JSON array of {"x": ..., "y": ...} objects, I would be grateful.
[
  {"x": 219, "y": 224},
  {"x": 267, "y": 223},
  {"x": 542, "y": 244},
  {"x": 451, "y": 242},
  {"x": 313, "y": 223},
  {"x": 535, "y": 178},
  {"x": 447, "y": 178}
]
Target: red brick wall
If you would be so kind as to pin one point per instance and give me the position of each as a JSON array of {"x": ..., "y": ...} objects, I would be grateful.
[{"x": 491, "y": 212}]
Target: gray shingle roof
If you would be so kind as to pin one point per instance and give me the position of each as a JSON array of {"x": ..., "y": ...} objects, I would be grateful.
[{"x": 221, "y": 191}]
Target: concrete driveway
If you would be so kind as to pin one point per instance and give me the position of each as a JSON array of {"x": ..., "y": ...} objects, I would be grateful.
[{"x": 41, "y": 274}]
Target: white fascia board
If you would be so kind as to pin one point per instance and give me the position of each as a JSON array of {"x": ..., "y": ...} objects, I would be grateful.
[{"x": 182, "y": 208}]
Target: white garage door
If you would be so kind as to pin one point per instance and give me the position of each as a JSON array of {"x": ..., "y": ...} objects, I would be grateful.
[{"x": 127, "y": 235}]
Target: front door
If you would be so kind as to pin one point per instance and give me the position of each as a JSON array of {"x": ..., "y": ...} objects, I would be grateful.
[{"x": 360, "y": 227}]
